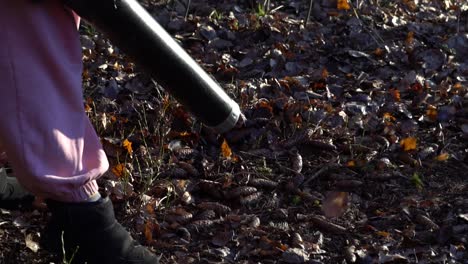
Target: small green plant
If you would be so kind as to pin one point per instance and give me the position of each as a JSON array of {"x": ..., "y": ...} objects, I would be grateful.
[
  {"x": 215, "y": 15},
  {"x": 416, "y": 181},
  {"x": 296, "y": 200},
  {"x": 88, "y": 29},
  {"x": 261, "y": 10},
  {"x": 264, "y": 169}
]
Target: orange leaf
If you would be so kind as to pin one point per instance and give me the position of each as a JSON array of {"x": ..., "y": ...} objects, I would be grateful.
[
  {"x": 119, "y": 170},
  {"x": 388, "y": 117},
  {"x": 296, "y": 119},
  {"x": 383, "y": 234},
  {"x": 343, "y": 5},
  {"x": 442, "y": 157},
  {"x": 409, "y": 38},
  {"x": 266, "y": 105},
  {"x": 411, "y": 5},
  {"x": 325, "y": 73},
  {"x": 87, "y": 108},
  {"x": 408, "y": 143},
  {"x": 150, "y": 208},
  {"x": 431, "y": 112},
  {"x": 127, "y": 144},
  {"x": 396, "y": 94},
  {"x": 226, "y": 150},
  {"x": 149, "y": 227},
  {"x": 458, "y": 86},
  {"x": 378, "y": 52},
  {"x": 350, "y": 163}
]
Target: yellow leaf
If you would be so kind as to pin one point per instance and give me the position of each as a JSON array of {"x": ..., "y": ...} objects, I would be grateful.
[
  {"x": 226, "y": 150},
  {"x": 127, "y": 144},
  {"x": 408, "y": 143},
  {"x": 442, "y": 157},
  {"x": 343, "y": 5}
]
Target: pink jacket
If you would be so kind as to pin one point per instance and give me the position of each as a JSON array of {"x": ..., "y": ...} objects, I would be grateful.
[{"x": 53, "y": 148}]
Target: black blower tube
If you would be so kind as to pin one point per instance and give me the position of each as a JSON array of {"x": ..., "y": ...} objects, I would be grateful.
[{"x": 131, "y": 28}]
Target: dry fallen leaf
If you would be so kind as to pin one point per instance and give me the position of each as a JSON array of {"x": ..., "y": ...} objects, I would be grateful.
[
  {"x": 149, "y": 231},
  {"x": 442, "y": 157},
  {"x": 395, "y": 94},
  {"x": 409, "y": 143},
  {"x": 335, "y": 204},
  {"x": 226, "y": 150},
  {"x": 383, "y": 234},
  {"x": 431, "y": 113},
  {"x": 31, "y": 244},
  {"x": 343, "y": 5},
  {"x": 127, "y": 144}
]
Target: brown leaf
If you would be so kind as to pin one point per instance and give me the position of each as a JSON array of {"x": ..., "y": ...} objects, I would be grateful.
[
  {"x": 150, "y": 226},
  {"x": 442, "y": 157},
  {"x": 335, "y": 204},
  {"x": 222, "y": 238}
]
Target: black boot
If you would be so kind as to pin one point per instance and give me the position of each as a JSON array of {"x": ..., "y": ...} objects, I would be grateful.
[{"x": 92, "y": 235}]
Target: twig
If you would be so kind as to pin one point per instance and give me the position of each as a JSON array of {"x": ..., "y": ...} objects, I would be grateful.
[
  {"x": 309, "y": 12},
  {"x": 322, "y": 171},
  {"x": 187, "y": 9},
  {"x": 369, "y": 28}
]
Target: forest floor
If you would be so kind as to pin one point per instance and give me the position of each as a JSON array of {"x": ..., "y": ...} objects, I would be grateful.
[{"x": 355, "y": 149}]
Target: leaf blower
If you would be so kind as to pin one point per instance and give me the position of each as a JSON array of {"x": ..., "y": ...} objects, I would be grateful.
[{"x": 131, "y": 28}]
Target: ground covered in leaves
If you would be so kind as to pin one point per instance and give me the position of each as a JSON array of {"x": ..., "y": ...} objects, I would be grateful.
[{"x": 355, "y": 149}]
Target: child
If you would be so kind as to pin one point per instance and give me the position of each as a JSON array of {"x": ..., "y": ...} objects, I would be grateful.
[{"x": 50, "y": 142}]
